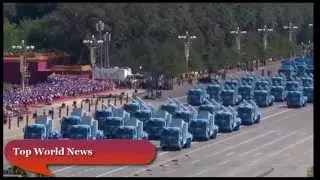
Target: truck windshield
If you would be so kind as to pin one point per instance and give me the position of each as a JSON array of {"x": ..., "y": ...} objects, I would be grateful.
[
  {"x": 222, "y": 116},
  {"x": 197, "y": 124},
  {"x": 100, "y": 114},
  {"x": 125, "y": 133},
  {"x": 291, "y": 86},
  {"x": 78, "y": 132},
  {"x": 172, "y": 133},
  {"x": 194, "y": 93},
  {"x": 155, "y": 123},
  {"x": 113, "y": 123},
  {"x": 227, "y": 95},
  {"x": 34, "y": 132}
]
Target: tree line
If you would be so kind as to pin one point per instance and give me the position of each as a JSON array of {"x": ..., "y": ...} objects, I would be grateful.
[{"x": 145, "y": 34}]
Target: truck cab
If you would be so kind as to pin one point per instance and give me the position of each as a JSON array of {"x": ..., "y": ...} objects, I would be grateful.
[
  {"x": 155, "y": 125},
  {"x": 196, "y": 96},
  {"x": 296, "y": 99},
  {"x": 66, "y": 124},
  {"x": 263, "y": 98},
  {"x": 132, "y": 129},
  {"x": 246, "y": 91},
  {"x": 214, "y": 91},
  {"x": 35, "y": 131},
  {"x": 229, "y": 97},
  {"x": 101, "y": 116},
  {"x": 248, "y": 112},
  {"x": 111, "y": 125},
  {"x": 176, "y": 135},
  {"x": 203, "y": 128},
  {"x": 227, "y": 121},
  {"x": 81, "y": 131}
]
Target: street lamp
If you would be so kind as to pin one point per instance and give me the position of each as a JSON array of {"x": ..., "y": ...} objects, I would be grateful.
[
  {"x": 107, "y": 39},
  {"x": 265, "y": 31},
  {"x": 310, "y": 25},
  {"x": 238, "y": 34},
  {"x": 92, "y": 44},
  {"x": 23, "y": 48},
  {"x": 291, "y": 28},
  {"x": 100, "y": 28},
  {"x": 187, "y": 46}
]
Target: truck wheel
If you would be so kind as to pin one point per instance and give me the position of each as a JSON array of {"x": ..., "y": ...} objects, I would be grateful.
[
  {"x": 214, "y": 135},
  {"x": 258, "y": 120},
  {"x": 237, "y": 127},
  {"x": 188, "y": 145}
]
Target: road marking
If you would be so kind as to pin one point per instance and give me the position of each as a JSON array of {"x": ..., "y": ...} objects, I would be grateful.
[
  {"x": 243, "y": 142},
  {"x": 195, "y": 161},
  {"x": 257, "y": 148},
  {"x": 118, "y": 169},
  {"x": 281, "y": 150},
  {"x": 230, "y": 153}
]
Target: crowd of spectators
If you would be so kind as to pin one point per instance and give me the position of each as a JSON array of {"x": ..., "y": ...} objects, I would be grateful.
[{"x": 56, "y": 87}]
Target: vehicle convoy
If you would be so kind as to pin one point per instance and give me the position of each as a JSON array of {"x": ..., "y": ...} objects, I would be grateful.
[
  {"x": 203, "y": 128},
  {"x": 42, "y": 129},
  {"x": 132, "y": 129},
  {"x": 155, "y": 125},
  {"x": 296, "y": 99},
  {"x": 230, "y": 97},
  {"x": 176, "y": 136},
  {"x": 196, "y": 96},
  {"x": 227, "y": 120},
  {"x": 248, "y": 112}
]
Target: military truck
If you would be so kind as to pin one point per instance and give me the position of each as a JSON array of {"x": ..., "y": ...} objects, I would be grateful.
[
  {"x": 203, "y": 128},
  {"x": 66, "y": 123},
  {"x": 230, "y": 97},
  {"x": 155, "y": 125},
  {"x": 111, "y": 125},
  {"x": 132, "y": 129},
  {"x": 185, "y": 112},
  {"x": 227, "y": 120},
  {"x": 246, "y": 91},
  {"x": 102, "y": 115},
  {"x": 196, "y": 96},
  {"x": 42, "y": 129},
  {"x": 263, "y": 98},
  {"x": 176, "y": 136},
  {"x": 296, "y": 99},
  {"x": 214, "y": 91},
  {"x": 248, "y": 112}
]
